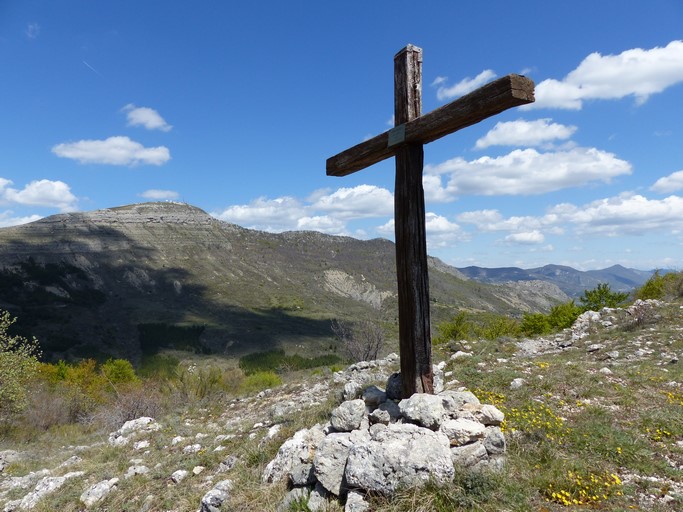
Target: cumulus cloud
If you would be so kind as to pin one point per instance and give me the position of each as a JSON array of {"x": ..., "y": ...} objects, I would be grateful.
[
  {"x": 668, "y": 184},
  {"x": 363, "y": 201},
  {"x": 522, "y": 172},
  {"x": 637, "y": 72},
  {"x": 627, "y": 214},
  {"x": 534, "y": 237},
  {"x": 159, "y": 195},
  {"x": 7, "y": 219},
  {"x": 322, "y": 223},
  {"x": 52, "y": 194},
  {"x": 146, "y": 117},
  {"x": 441, "y": 232},
  {"x": 324, "y": 210},
  {"x": 492, "y": 221},
  {"x": 463, "y": 87},
  {"x": 525, "y": 133},
  {"x": 273, "y": 215},
  {"x": 118, "y": 150}
]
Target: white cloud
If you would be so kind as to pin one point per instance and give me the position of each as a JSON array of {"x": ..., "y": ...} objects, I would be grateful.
[
  {"x": 52, "y": 194},
  {"x": 523, "y": 172},
  {"x": 626, "y": 214},
  {"x": 637, "y": 72},
  {"x": 668, "y": 184},
  {"x": 275, "y": 215},
  {"x": 146, "y": 117},
  {"x": 463, "y": 87},
  {"x": 32, "y": 30},
  {"x": 118, "y": 150},
  {"x": 525, "y": 133},
  {"x": 439, "y": 80},
  {"x": 534, "y": 237},
  {"x": 324, "y": 210},
  {"x": 159, "y": 195},
  {"x": 440, "y": 231},
  {"x": 322, "y": 223},
  {"x": 7, "y": 219},
  {"x": 362, "y": 201},
  {"x": 492, "y": 220}
]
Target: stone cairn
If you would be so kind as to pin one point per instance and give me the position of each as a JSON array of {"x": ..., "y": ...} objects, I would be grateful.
[{"x": 378, "y": 443}]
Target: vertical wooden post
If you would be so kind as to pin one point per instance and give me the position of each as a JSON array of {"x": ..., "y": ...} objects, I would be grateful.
[{"x": 411, "y": 240}]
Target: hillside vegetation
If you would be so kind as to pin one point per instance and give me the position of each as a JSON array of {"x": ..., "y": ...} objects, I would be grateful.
[
  {"x": 130, "y": 281},
  {"x": 594, "y": 420}
]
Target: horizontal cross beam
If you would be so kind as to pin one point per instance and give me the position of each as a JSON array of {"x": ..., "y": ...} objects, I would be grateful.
[{"x": 493, "y": 98}]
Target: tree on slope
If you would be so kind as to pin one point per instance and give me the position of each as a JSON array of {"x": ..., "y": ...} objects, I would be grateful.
[{"x": 18, "y": 364}]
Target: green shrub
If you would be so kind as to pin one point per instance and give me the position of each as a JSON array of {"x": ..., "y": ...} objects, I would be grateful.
[
  {"x": 457, "y": 329},
  {"x": 661, "y": 286},
  {"x": 18, "y": 365},
  {"x": 486, "y": 326},
  {"x": 260, "y": 381},
  {"x": 652, "y": 289},
  {"x": 118, "y": 371},
  {"x": 535, "y": 324},
  {"x": 601, "y": 297},
  {"x": 498, "y": 326},
  {"x": 199, "y": 383},
  {"x": 563, "y": 316},
  {"x": 158, "y": 366},
  {"x": 277, "y": 360}
]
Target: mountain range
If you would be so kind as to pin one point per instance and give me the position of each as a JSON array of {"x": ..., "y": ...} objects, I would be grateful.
[
  {"x": 130, "y": 280},
  {"x": 571, "y": 281}
]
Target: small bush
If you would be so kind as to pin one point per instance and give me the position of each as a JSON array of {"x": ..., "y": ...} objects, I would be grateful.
[
  {"x": 652, "y": 289},
  {"x": 488, "y": 326},
  {"x": 199, "y": 383},
  {"x": 563, "y": 316},
  {"x": 498, "y": 326},
  {"x": 601, "y": 297},
  {"x": 361, "y": 341},
  {"x": 535, "y": 324},
  {"x": 131, "y": 402},
  {"x": 18, "y": 365},
  {"x": 48, "y": 407},
  {"x": 260, "y": 381},
  {"x": 158, "y": 366},
  {"x": 661, "y": 286},
  {"x": 457, "y": 329},
  {"x": 118, "y": 371}
]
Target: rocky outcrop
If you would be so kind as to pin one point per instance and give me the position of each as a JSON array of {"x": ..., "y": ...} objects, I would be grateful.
[{"x": 373, "y": 446}]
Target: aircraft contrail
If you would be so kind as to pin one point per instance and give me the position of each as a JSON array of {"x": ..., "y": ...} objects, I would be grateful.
[{"x": 92, "y": 68}]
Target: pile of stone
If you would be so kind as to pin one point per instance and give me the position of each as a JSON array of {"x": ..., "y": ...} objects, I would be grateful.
[{"x": 378, "y": 444}]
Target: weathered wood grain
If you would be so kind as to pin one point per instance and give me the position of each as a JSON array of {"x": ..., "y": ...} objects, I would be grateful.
[
  {"x": 491, "y": 99},
  {"x": 411, "y": 238}
]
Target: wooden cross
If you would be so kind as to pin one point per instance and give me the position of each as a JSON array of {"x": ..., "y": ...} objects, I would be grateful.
[{"x": 405, "y": 141}]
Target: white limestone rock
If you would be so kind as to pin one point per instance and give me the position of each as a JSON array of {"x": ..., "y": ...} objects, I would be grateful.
[
  {"x": 348, "y": 416},
  {"x": 399, "y": 455},
  {"x": 96, "y": 493},
  {"x": 295, "y": 452},
  {"x": 423, "y": 409},
  {"x": 214, "y": 499},
  {"x": 463, "y": 431}
]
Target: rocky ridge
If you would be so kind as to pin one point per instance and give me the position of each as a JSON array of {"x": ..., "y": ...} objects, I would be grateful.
[{"x": 172, "y": 264}]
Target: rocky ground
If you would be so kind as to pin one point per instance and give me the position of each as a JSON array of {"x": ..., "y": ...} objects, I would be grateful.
[{"x": 196, "y": 460}]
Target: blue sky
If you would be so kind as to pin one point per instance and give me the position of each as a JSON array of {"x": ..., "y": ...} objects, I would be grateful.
[{"x": 235, "y": 107}]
